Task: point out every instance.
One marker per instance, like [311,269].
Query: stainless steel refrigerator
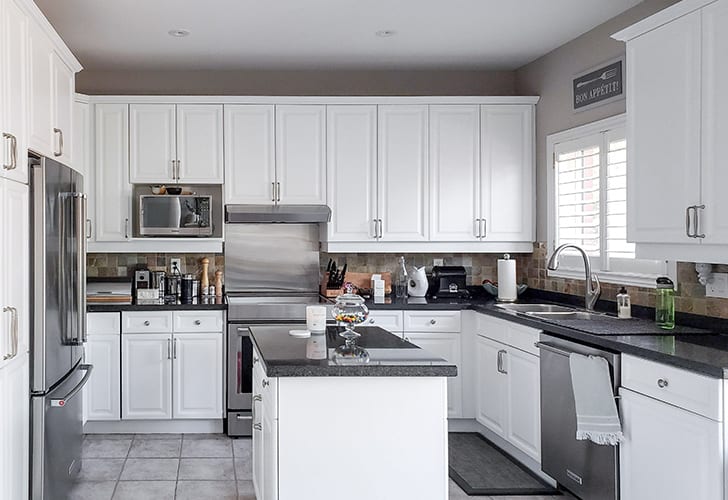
[58,330]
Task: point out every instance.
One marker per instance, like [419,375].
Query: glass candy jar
[349,311]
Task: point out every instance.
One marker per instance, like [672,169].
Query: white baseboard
[153,427]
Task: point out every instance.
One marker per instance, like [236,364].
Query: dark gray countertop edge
[161,307]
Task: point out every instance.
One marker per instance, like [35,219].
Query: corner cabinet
[675,199]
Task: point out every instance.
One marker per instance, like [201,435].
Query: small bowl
[174,190]
[158,189]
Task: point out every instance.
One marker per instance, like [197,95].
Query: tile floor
[179,466]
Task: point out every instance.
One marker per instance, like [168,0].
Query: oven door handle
[61,402]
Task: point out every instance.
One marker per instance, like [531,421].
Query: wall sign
[599,86]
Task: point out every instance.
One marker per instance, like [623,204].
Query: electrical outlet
[438,262]
[173,263]
[717,286]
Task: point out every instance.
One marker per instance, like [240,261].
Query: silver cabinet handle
[198,322]
[173,163]
[484,231]
[432,321]
[13,152]
[255,359]
[265,383]
[169,348]
[242,417]
[273,190]
[14,331]
[60,142]
[501,355]
[258,427]
[179,169]
[477,228]
[687,222]
[257,397]
[126,228]
[278,190]
[379,223]
[174,349]
[662,383]
[376,229]
[146,323]
[89,229]
[697,234]
[499,362]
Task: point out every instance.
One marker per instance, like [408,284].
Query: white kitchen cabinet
[64,88]
[524,401]
[491,386]
[176,143]
[265,433]
[146,376]
[15,428]
[40,51]
[197,375]
[14,102]
[250,168]
[269,423]
[446,346]
[668,452]
[390,320]
[402,179]
[351,141]
[113,191]
[454,172]
[102,393]
[300,154]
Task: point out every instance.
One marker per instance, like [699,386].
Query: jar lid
[664,282]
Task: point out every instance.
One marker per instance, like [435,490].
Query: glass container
[665,303]
[349,311]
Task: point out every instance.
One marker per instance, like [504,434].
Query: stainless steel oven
[175,215]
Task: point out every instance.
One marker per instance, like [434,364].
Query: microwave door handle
[175,215]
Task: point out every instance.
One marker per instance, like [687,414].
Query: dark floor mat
[480,468]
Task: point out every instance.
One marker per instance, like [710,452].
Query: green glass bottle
[665,303]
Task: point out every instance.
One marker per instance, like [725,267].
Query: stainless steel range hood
[272,214]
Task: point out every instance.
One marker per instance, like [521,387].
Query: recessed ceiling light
[385,33]
[178,33]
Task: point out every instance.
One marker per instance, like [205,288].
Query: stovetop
[272,305]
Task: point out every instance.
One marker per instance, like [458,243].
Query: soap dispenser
[624,305]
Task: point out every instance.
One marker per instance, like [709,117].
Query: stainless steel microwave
[175,215]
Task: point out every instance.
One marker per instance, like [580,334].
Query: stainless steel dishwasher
[588,470]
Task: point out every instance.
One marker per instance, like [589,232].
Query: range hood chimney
[277,214]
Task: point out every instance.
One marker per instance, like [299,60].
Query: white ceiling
[321,34]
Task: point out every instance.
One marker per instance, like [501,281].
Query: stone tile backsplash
[123,265]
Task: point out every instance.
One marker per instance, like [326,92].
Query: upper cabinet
[675,201]
[14,103]
[171,143]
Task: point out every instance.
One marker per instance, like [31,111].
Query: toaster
[448,281]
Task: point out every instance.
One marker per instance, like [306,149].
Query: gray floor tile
[242,447]
[158,436]
[244,468]
[106,448]
[92,490]
[246,490]
[109,436]
[207,448]
[221,437]
[217,469]
[150,468]
[155,448]
[145,490]
[206,490]
[100,469]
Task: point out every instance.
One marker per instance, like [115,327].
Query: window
[588,203]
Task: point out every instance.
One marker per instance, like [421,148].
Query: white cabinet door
[198,370]
[663,141]
[507,172]
[668,453]
[14,91]
[446,346]
[15,269]
[351,157]
[269,423]
[454,172]
[199,143]
[41,91]
[102,392]
[62,118]
[390,320]
[491,396]
[146,376]
[113,191]
[15,428]
[524,401]
[258,449]
[250,169]
[301,154]
[402,180]
[152,145]
[713,222]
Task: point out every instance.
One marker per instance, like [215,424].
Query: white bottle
[624,305]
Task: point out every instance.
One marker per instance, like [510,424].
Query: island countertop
[389,355]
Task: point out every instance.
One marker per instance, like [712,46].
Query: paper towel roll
[507,290]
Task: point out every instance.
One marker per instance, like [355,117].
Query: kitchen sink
[533,309]
[566,315]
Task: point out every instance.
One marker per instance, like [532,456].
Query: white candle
[316,318]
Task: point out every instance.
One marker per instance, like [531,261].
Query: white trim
[660,19]
[153,426]
[607,277]
[157,245]
[426,247]
[58,44]
[212,99]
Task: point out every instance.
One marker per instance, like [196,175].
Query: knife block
[359,280]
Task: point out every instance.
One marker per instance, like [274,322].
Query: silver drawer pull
[258,427]
[198,322]
[371,321]
[265,383]
[432,321]
[662,383]
[255,359]
[146,323]
[243,417]
[257,397]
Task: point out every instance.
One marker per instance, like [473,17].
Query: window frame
[577,272]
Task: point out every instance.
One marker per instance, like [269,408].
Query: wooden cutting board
[359,280]
[103,299]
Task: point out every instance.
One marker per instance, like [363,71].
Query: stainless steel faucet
[593,287]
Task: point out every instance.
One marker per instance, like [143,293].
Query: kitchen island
[327,429]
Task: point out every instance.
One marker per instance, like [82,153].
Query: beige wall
[551,78]
[296,82]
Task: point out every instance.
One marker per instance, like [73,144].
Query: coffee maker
[448,281]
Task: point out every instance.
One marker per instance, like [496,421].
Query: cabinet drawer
[146,321]
[389,320]
[432,321]
[198,321]
[103,323]
[509,333]
[688,390]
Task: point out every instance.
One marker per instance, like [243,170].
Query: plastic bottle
[624,304]
[665,303]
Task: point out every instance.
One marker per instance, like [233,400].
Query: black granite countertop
[214,303]
[389,355]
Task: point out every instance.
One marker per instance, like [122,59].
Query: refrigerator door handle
[61,402]
[80,202]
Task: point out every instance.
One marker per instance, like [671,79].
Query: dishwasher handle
[550,347]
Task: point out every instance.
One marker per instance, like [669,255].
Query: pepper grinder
[218,283]
[204,279]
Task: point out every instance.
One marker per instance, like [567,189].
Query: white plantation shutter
[590,176]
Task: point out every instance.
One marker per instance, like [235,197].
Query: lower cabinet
[508,399]
[265,434]
[14,428]
[102,393]
[168,376]
[447,346]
